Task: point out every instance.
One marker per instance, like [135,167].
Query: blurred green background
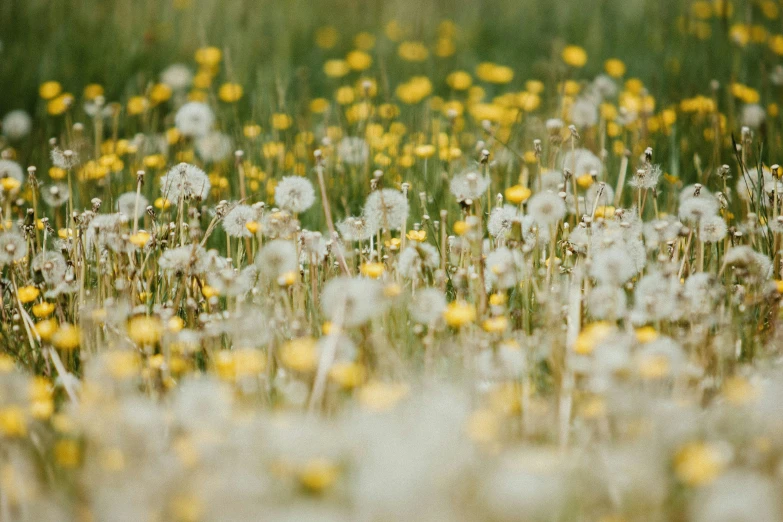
[124,44]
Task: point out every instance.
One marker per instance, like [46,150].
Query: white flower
[602,191]
[655,298]
[177,76]
[748,184]
[646,177]
[712,229]
[214,146]
[415,259]
[427,305]
[17,124]
[738,496]
[501,219]
[606,302]
[51,265]
[502,268]
[583,113]
[194,119]
[469,186]
[64,159]
[693,210]
[605,86]
[753,115]
[11,169]
[182,260]
[387,209]
[184,181]
[612,266]
[351,301]
[55,194]
[554,125]
[547,208]
[102,230]
[126,204]
[353,151]
[13,247]
[276,258]
[581,161]
[354,229]
[295,194]
[235,222]
[280,224]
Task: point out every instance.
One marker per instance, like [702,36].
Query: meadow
[350,260]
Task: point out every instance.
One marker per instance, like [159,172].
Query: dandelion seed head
[386,209]
[546,208]
[16,125]
[235,221]
[194,119]
[128,206]
[295,194]
[185,181]
[427,305]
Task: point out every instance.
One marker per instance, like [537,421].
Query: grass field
[376,261]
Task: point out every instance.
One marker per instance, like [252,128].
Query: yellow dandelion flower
[373,270]
[574,56]
[230,92]
[300,354]
[459,313]
[49,90]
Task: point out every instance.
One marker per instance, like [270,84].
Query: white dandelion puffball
[581,161]
[353,151]
[126,204]
[386,208]
[177,76]
[194,119]
[214,146]
[295,194]
[469,186]
[184,181]
[235,222]
[546,208]
[16,125]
